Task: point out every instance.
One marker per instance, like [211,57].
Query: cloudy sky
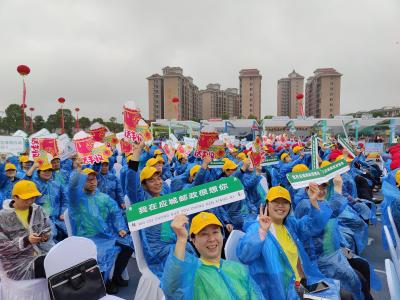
[97,54]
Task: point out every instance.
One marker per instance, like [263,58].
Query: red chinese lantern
[23,106]
[77,109]
[175,100]
[23,70]
[31,108]
[61,100]
[299,96]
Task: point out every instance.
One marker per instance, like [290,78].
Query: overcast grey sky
[97,54]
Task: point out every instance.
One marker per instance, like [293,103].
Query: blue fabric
[109,184]
[6,185]
[268,264]
[54,202]
[97,217]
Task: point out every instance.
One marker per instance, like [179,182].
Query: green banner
[164,208]
[347,146]
[216,164]
[319,176]
[314,153]
[269,161]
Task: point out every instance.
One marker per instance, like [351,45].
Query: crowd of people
[293,238]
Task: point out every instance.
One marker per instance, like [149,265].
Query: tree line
[12,121]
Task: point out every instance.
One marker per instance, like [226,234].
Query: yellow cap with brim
[157,152]
[10,166]
[105,160]
[129,158]
[45,166]
[55,157]
[147,173]
[283,156]
[300,168]
[296,149]
[194,170]
[152,162]
[23,159]
[201,221]
[89,171]
[325,163]
[398,177]
[160,159]
[278,192]
[25,189]
[229,165]
[242,156]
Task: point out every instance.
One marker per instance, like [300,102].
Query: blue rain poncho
[269,265]
[324,247]
[255,194]
[6,185]
[61,176]
[110,185]
[53,201]
[97,217]
[191,279]
[285,168]
[158,239]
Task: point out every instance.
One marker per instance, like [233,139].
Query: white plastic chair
[117,168]
[231,245]
[35,289]
[392,280]
[395,232]
[393,253]
[68,253]
[149,284]
[67,222]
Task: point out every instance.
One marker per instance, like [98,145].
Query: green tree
[84,123]
[38,123]
[225,116]
[13,119]
[54,121]
[268,117]
[98,120]
[252,117]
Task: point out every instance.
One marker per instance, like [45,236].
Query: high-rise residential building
[163,88]
[217,103]
[250,93]
[323,93]
[288,88]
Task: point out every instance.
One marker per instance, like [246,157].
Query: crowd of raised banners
[301,207]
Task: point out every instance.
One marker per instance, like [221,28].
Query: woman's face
[154,184]
[159,167]
[323,190]
[278,210]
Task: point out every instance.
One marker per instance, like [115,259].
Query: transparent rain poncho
[97,217]
[190,279]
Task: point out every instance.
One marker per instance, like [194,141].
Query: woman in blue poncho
[273,250]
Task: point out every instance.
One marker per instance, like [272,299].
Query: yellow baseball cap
[10,166]
[278,192]
[229,165]
[179,155]
[147,173]
[398,177]
[23,159]
[194,170]
[45,166]
[160,159]
[283,156]
[129,158]
[88,171]
[152,162]
[242,156]
[25,189]
[300,168]
[105,160]
[202,220]
[55,157]
[325,163]
[339,158]
[157,152]
[297,149]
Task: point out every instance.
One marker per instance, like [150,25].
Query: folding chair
[395,232]
[392,280]
[68,253]
[231,245]
[149,284]
[393,253]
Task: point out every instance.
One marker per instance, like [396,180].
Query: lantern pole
[31,125]
[77,119]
